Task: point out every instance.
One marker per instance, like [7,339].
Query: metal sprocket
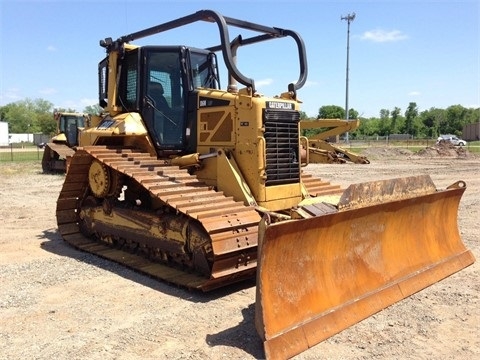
[103,181]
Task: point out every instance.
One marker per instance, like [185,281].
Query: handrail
[268,33]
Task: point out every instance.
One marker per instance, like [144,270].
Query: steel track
[231,226]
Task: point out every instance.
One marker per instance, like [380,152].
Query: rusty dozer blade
[318,276]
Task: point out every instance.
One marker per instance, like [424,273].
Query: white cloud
[472,106]
[10,95]
[77,105]
[264,82]
[414,93]
[380,35]
[47,91]
[309,83]
[88,102]
[51,48]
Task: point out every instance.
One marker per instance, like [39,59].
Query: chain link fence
[20,152]
[30,152]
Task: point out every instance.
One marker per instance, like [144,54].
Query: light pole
[349,18]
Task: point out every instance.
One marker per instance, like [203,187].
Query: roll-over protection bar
[267,33]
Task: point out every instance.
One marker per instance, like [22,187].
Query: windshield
[204,70]
[164,93]
[69,121]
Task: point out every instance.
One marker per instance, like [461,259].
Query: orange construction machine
[204,186]
[59,149]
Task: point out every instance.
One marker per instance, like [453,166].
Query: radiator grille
[281,137]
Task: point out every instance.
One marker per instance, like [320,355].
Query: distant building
[4,136]
[21,138]
[471,132]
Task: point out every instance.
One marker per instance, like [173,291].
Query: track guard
[317,277]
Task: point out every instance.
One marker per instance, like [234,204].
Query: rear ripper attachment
[318,276]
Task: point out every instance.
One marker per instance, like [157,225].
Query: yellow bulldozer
[203,187]
[58,151]
[323,152]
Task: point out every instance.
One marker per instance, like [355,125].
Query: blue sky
[400,51]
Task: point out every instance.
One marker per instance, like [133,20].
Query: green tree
[384,122]
[431,120]
[27,116]
[303,115]
[331,112]
[410,114]
[352,114]
[369,127]
[47,123]
[97,110]
[44,121]
[472,116]
[396,119]
[456,119]
[19,117]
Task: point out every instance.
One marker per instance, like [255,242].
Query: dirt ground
[59,303]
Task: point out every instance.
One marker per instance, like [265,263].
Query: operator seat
[156,93]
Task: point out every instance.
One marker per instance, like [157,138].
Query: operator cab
[69,124]
[160,83]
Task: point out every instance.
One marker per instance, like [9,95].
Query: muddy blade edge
[321,276]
